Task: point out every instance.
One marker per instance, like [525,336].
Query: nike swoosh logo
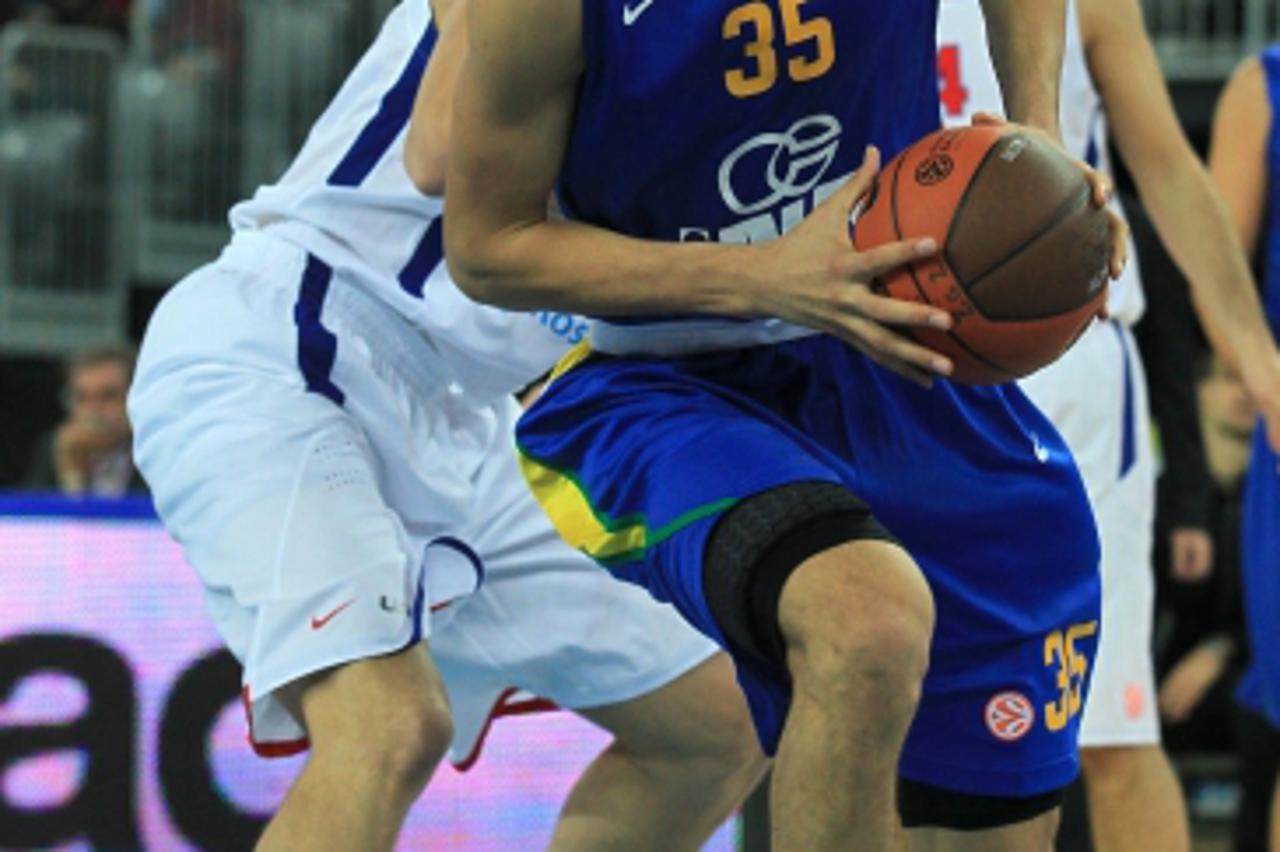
[631,14]
[317,623]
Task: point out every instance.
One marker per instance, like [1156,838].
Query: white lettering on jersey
[794,164]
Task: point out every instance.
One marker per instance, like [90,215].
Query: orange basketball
[1023,264]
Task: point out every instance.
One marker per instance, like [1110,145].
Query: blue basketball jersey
[1271,233]
[1260,525]
[729,120]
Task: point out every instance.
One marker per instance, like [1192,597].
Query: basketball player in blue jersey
[326,424]
[729,438]
[1244,159]
[1096,393]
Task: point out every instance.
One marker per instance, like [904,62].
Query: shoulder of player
[1246,90]
[541,35]
[1249,75]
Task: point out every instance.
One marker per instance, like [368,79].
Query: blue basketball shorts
[635,459]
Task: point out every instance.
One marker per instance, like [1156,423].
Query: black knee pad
[926,806]
[760,541]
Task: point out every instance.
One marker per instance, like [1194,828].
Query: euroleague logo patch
[934,169]
[1010,716]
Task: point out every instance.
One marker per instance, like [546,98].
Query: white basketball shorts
[1096,395]
[339,499]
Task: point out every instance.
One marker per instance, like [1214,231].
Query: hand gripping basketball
[810,277]
[1025,248]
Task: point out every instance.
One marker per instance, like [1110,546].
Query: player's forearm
[1195,226]
[1026,42]
[573,267]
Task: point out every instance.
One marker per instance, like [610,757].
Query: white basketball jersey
[967,84]
[348,200]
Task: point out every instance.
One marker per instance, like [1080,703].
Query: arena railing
[1205,39]
[218,95]
[62,275]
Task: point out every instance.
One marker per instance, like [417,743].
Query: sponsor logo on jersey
[1010,716]
[631,14]
[570,328]
[774,180]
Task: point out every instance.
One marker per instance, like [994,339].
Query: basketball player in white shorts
[326,425]
[1096,393]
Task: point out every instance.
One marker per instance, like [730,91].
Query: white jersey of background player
[1096,393]
[326,424]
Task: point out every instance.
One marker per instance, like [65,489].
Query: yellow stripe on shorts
[608,540]
[571,359]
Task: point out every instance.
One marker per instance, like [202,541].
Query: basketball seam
[911,269]
[964,198]
[1064,210]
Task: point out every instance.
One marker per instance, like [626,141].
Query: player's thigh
[636,462]
[641,463]
[272,491]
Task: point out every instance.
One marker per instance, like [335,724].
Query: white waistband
[688,337]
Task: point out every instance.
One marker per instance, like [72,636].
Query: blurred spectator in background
[90,452]
[1202,646]
[111,15]
[29,83]
[198,40]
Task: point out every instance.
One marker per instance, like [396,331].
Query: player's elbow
[1165,167]
[472,267]
[475,284]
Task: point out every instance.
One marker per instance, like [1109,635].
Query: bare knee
[858,620]
[728,749]
[411,740]
[387,718]
[1119,767]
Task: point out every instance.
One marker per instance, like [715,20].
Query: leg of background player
[1135,801]
[857,620]
[378,727]
[682,761]
[1275,816]
[1034,835]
